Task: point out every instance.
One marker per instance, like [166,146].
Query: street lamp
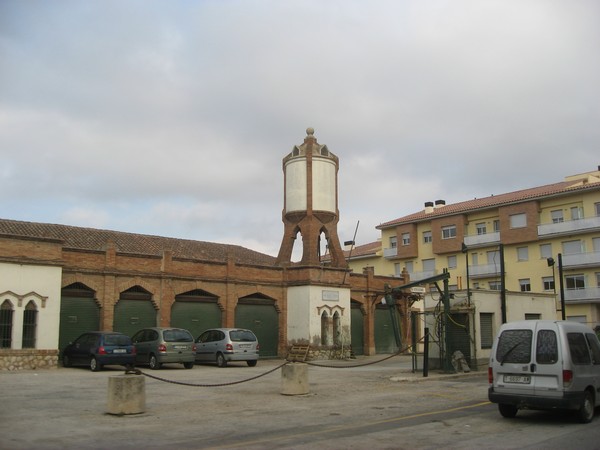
[551,262]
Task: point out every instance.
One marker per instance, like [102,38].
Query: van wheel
[251,362]
[153,363]
[508,411]
[585,413]
[221,361]
[188,365]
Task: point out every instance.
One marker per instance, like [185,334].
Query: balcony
[568,227]
[581,260]
[390,252]
[587,295]
[484,270]
[416,276]
[478,240]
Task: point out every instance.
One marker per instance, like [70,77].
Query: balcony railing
[484,270]
[416,276]
[569,226]
[390,252]
[482,239]
[576,260]
[591,294]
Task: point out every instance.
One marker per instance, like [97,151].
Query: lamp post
[561,287]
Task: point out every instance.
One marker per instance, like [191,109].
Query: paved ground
[66,408]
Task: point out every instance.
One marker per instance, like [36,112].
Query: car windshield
[177,336]
[116,339]
[242,336]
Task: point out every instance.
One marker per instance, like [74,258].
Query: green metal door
[260,316]
[195,316]
[385,340]
[77,315]
[357,333]
[133,315]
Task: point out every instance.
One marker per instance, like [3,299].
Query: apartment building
[534,234]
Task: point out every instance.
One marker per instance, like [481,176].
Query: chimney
[439,203]
[428,207]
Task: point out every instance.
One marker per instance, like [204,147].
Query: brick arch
[76,278]
[128,284]
[259,294]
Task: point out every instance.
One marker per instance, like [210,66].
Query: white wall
[20,284]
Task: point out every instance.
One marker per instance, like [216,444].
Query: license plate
[245,345]
[119,350]
[180,347]
[519,379]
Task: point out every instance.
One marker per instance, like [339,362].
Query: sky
[172,118]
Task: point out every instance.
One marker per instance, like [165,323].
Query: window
[523,253]
[405,238]
[449,232]
[397,269]
[427,238]
[576,213]
[514,346]
[486,327]
[548,283]
[495,285]
[480,228]
[429,265]
[594,347]
[518,220]
[545,251]
[578,348]
[575,281]
[525,284]
[597,279]
[6,324]
[452,262]
[546,347]
[532,316]
[557,216]
[596,244]
[393,242]
[597,208]
[496,226]
[29,325]
[493,257]
[572,247]
[409,266]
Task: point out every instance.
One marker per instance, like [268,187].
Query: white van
[545,364]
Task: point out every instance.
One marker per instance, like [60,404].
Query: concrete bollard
[294,379]
[126,394]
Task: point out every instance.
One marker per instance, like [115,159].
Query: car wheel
[66,361]
[95,366]
[252,362]
[153,362]
[221,361]
[188,365]
[586,410]
[508,411]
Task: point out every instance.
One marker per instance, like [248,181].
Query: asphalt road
[376,406]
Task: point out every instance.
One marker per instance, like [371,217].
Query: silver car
[157,346]
[222,345]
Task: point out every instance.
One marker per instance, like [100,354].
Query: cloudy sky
[172,117]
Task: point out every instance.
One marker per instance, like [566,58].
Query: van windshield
[514,346]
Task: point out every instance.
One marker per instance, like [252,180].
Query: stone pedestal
[126,394]
[294,379]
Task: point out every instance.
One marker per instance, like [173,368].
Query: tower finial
[310,131]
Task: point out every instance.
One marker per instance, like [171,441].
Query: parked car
[99,348]
[159,345]
[222,345]
[544,364]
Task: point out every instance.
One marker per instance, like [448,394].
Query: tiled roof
[94,239]
[360,251]
[494,201]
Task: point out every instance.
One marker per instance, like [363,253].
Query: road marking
[349,427]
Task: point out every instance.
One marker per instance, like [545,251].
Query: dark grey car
[221,345]
[157,346]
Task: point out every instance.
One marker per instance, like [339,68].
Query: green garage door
[385,340]
[195,316]
[133,315]
[260,316]
[77,315]
[357,329]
